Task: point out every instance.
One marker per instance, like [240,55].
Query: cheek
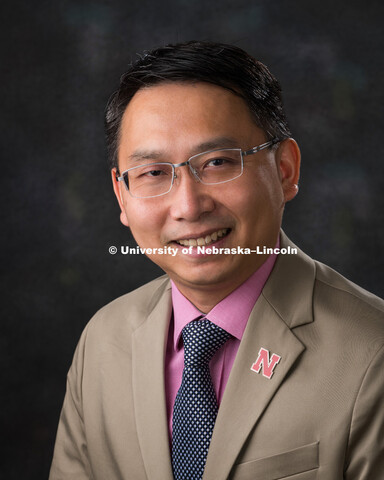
[269,188]
[262,207]
[145,222]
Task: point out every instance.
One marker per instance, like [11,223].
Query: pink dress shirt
[231,314]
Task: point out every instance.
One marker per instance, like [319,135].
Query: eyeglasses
[210,168]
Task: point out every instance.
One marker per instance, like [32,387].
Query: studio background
[60,63]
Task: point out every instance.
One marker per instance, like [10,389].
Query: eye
[154,173]
[151,171]
[216,162]
[219,162]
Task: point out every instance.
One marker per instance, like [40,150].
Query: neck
[206,295]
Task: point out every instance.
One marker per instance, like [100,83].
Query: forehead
[180,115]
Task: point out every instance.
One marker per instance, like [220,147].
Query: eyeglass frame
[243,154]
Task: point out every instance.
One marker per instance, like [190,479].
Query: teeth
[201,241]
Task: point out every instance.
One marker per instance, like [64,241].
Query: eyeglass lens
[212,167]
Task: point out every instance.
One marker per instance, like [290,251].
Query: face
[170,123]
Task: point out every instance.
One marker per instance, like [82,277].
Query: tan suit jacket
[320,416]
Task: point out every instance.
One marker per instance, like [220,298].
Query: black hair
[224,65]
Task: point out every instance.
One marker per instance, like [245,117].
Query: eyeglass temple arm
[261,147]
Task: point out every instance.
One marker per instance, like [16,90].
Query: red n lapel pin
[265,364]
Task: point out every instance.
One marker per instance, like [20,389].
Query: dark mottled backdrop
[60,62]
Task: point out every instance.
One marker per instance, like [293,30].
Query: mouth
[204,240]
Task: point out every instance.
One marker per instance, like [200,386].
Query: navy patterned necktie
[195,408]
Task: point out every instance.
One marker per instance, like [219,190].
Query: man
[237,364]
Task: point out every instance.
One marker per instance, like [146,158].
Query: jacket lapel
[148,387]
[286,302]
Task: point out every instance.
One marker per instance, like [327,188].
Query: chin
[206,277]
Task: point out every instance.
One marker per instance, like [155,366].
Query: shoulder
[335,284]
[119,318]
[137,302]
[353,316]
[314,297]
[301,277]
[350,318]
[336,296]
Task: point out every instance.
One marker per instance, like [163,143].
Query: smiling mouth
[204,241]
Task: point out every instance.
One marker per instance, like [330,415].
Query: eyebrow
[212,144]
[218,142]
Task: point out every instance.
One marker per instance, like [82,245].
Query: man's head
[223,65]
[170,121]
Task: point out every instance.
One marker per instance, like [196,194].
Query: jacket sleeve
[70,458]
[365,455]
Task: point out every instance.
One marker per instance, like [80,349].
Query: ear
[288,155]
[120,193]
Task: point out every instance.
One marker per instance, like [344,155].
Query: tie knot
[202,339]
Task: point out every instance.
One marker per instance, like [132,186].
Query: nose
[190,199]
